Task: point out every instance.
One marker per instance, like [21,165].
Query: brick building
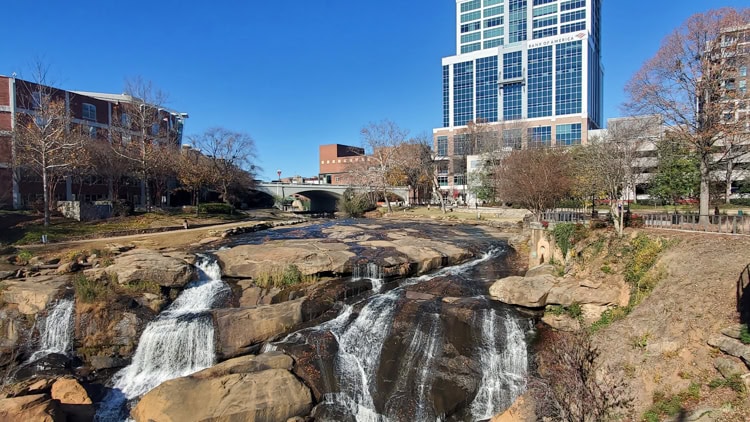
[102,116]
[336,160]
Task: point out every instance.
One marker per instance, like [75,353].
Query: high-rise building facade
[529,71]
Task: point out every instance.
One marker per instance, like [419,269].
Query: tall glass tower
[528,70]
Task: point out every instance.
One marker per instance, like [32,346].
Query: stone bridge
[322,197]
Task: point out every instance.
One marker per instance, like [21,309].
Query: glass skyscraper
[529,69]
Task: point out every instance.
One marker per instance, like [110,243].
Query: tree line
[140,144]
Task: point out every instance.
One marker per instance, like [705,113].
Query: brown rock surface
[270,395]
[237,329]
[530,292]
[69,391]
[310,256]
[145,265]
[32,295]
[522,410]
[37,408]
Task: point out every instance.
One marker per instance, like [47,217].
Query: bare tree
[231,155]
[536,179]
[418,165]
[606,165]
[139,130]
[46,141]
[381,140]
[194,171]
[687,82]
[111,166]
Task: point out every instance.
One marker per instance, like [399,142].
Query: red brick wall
[4,91]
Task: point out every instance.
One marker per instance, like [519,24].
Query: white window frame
[88,112]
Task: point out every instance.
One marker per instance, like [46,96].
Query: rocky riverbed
[120,290]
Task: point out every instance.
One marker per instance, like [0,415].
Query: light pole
[278,172]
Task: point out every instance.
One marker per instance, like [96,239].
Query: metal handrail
[726,224]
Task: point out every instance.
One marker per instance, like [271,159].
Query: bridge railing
[728,224]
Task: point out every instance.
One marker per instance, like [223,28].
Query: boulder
[729,367]
[37,408]
[247,364]
[522,410]
[238,329]
[145,265]
[32,295]
[543,269]
[311,257]
[530,292]
[731,346]
[270,395]
[561,322]
[67,268]
[106,362]
[567,292]
[734,331]
[69,391]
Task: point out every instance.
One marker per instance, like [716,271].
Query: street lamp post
[281,202]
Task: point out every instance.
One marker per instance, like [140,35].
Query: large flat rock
[270,395]
[530,292]
[311,257]
[37,408]
[146,265]
[32,295]
[238,329]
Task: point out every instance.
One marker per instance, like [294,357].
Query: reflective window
[568,134]
[459,179]
[743,71]
[493,11]
[442,146]
[573,16]
[486,86]
[493,43]
[546,32]
[468,48]
[463,93]
[540,2]
[545,10]
[541,23]
[474,36]
[492,2]
[468,27]
[539,137]
[489,23]
[540,82]
[517,21]
[512,101]
[569,78]
[446,96]
[92,132]
[468,17]
[471,5]
[492,33]
[460,145]
[512,138]
[512,65]
[89,111]
[572,27]
[572,4]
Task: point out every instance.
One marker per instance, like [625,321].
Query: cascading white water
[360,346]
[370,271]
[179,342]
[504,372]
[56,333]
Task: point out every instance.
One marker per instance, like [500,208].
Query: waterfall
[504,376]
[360,345]
[179,342]
[370,271]
[56,333]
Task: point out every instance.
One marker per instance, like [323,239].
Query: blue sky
[294,74]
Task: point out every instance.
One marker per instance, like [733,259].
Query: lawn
[23,227]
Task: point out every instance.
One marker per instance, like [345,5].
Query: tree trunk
[705,197]
[728,193]
[616,220]
[387,202]
[45,192]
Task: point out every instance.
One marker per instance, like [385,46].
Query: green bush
[743,202]
[215,208]
[671,405]
[566,235]
[24,257]
[744,334]
[354,204]
[89,291]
